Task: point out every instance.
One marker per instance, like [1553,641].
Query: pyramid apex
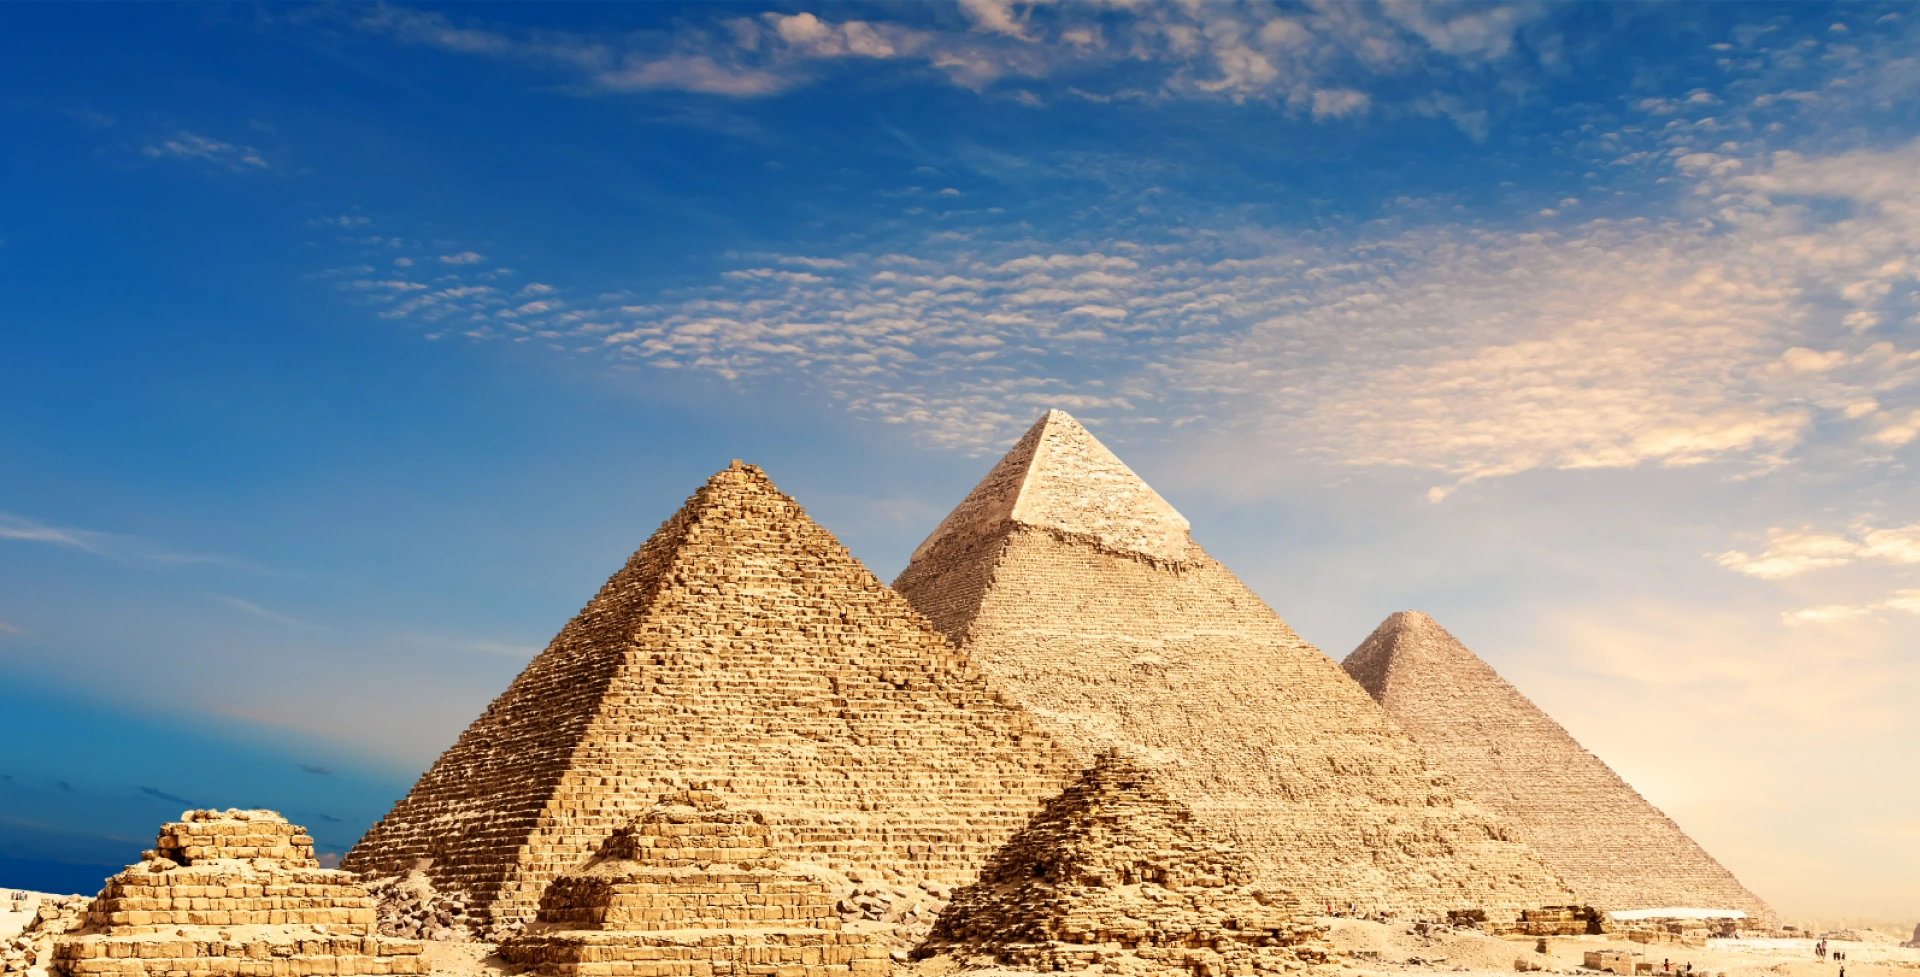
[1402,634]
[1059,476]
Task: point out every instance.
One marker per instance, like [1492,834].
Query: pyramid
[1114,871]
[236,894]
[1617,851]
[692,887]
[1077,590]
[741,646]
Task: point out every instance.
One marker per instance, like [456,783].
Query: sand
[1409,948]
[15,914]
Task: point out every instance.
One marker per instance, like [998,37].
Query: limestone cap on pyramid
[1059,476]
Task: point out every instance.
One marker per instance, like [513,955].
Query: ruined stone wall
[1273,746]
[745,648]
[1615,849]
[693,887]
[234,894]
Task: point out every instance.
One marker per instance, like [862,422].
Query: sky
[347,349]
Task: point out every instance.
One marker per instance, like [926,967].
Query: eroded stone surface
[233,893]
[1115,872]
[1617,851]
[693,888]
[741,646]
[1161,650]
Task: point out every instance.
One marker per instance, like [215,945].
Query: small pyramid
[233,893]
[1617,851]
[1078,591]
[1115,871]
[744,647]
[692,887]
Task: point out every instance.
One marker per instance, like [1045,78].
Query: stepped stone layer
[692,889]
[741,646]
[1616,850]
[1077,590]
[236,894]
[1115,872]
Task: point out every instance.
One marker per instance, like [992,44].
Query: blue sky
[347,349]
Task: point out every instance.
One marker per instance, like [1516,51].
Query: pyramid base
[699,953]
[267,955]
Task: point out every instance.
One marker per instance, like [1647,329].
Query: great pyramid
[692,887]
[1077,590]
[741,646]
[1617,851]
[1114,871]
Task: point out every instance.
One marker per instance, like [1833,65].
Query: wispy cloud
[1791,552]
[316,771]
[262,613]
[1906,600]
[1751,317]
[159,794]
[1304,57]
[188,146]
[131,549]
[26,530]
[6,628]
[1473,353]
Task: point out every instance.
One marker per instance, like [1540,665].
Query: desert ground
[1376,948]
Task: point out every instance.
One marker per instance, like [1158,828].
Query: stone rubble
[408,907]
[693,889]
[233,894]
[911,909]
[30,951]
[1114,872]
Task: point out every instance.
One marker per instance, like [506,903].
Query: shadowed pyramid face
[742,647]
[1077,589]
[1616,850]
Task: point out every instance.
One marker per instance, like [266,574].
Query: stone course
[693,889]
[1617,851]
[1117,873]
[744,647]
[1078,591]
[235,894]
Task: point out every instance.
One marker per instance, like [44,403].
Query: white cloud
[1728,334]
[462,258]
[1790,553]
[186,145]
[21,529]
[131,549]
[1308,60]
[1907,601]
